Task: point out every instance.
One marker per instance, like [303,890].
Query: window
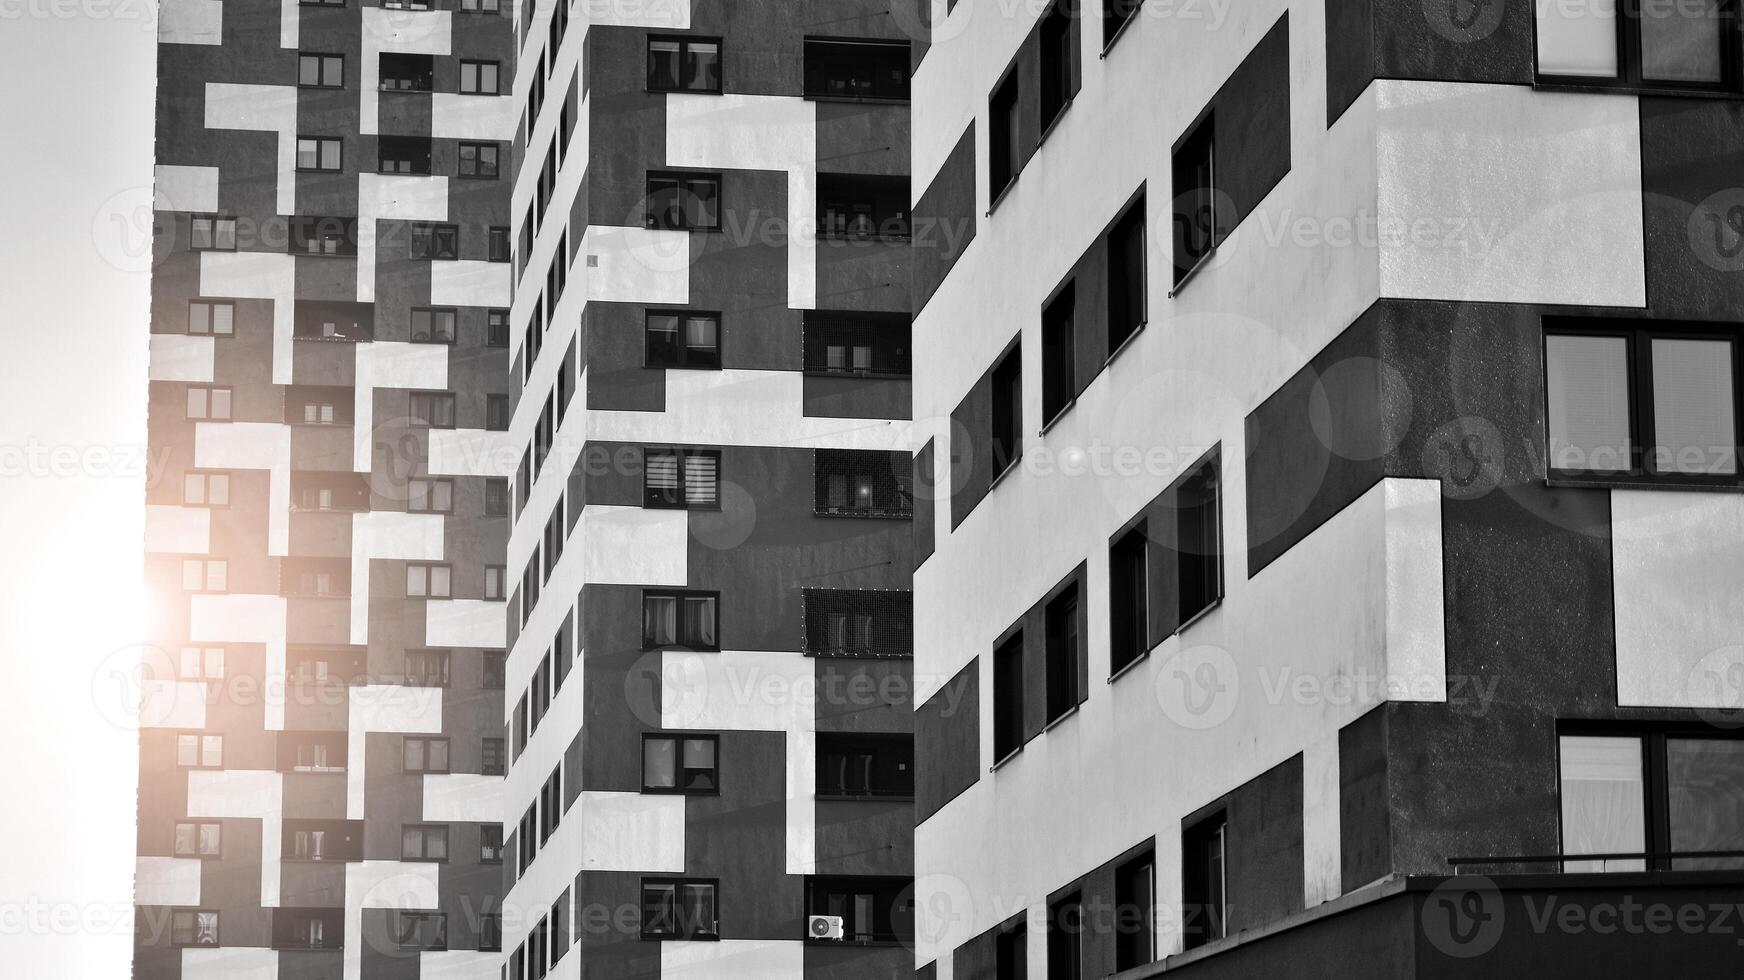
[1011,953]
[193,927]
[872,909]
[1006,435]
[551,804]
[320,70]
[323,667]
[205,574]
[435,241]
[861,483]
[478,78]
[1126,276]
[491,764]
[854,766]
[199,751]
[1686,45]
[683,339]
[680,619]
[199,839]
[328,492]
[312,752]
[432,326]
[350,322]
[496,496]
[211,233]
[319,153]
[1059,360]
[322,236]
[1003,152]
[1626,795]
[679,909]
[480,160]
[318,405]
[430,496]
[496,326]
[680,764]
[1641,402]
[490,839]
[209,403]
[1008,697]
[492,664]
[683,478]
[1135,908]
[1115,14]
[201,664]
[840,69]
[859,623]
[496,419]
[432,408]
[211,317]
[495,577]
[1203,896]
[308,928]
[403,155]
[427,668]
[424,842]
[425,754]
[490,924]
[1198,540]
[684,64]
[1195,210]
[859,344]
[684,201]
[1058,49]
[315,577]
[481,6]
[428,581]
[1066,937]
[421,930]
[407,72]
[862,206]
[1065,652]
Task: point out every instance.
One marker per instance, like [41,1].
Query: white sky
[76,88]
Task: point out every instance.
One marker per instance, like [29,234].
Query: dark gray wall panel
[944,220]
[947,741]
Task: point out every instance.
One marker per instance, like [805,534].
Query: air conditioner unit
[824,927]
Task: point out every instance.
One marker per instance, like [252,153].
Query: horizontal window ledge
[859,654]
[884,515]
[865,798]
[1062,717]
[1712,485]
[1001,762]
[858,375]
[1602,87]
[855,943]
[851,237]
[856,99]
[1193,271]
[1128,666]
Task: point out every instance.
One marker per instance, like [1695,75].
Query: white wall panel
[266,108]
[178,188]
[630,832]
[174,530]
[245,793]
[177,357]
[384,708]
[190,22]
[166,881]
[258,275]
[1677,579]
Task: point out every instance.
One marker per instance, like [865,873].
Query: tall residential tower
[321,749]
[1338,401]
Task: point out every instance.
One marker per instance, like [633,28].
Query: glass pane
[1692,407]
[658,770]
[414,754]
[185,839]
[1586,381]
[187,750]
[307,154]
[216,574]
[1577,37]
[218,489]
[699,753]
[662,65]
[221,318]
[193,573]
[220,403]
[197,403]
[1680,42]
[1705,783]
[193,488]
[309,70]
[411,842]
[209,838]
[1604,809]
[436,843]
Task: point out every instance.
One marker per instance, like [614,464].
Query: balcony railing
[1617,861]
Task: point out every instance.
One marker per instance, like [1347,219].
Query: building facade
[321,748]
[1334,415]
[710,624]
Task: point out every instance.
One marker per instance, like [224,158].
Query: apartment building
[710,632]
[321,749]
[1335,560]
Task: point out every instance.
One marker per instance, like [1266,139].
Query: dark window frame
[1004,137]
[479,171]
[1655,779]
[655,499]
[433,313]
[684,355]
[683,181]
[478,65]
[684,41]
[862,53]
[893,749]
[212,307]
[414,939]
[1063,650]
[1005,420]
[321,144]
[198,852]
[193,918]
[679,931]
[1135,943]
[1059,336]
[426,832]
[324,59]
[1629,77]
[680,595]
[1009,696]
[1639,336]
[680,773]
[1205,904]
